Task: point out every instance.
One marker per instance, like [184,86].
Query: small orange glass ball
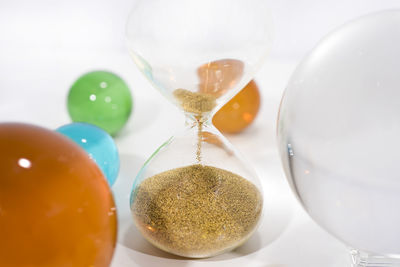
[56,208]
[218,77]
[240,111]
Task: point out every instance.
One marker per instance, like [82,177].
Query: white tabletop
[34,90]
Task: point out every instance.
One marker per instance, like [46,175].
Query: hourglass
[196,196]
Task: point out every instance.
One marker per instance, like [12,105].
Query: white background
[45,45]
[59,26]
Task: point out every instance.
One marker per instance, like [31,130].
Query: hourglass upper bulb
[202,47]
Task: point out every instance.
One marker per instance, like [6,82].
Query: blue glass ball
[98,144]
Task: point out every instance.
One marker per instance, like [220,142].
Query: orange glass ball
[240,111]
[56,208]
[218,77]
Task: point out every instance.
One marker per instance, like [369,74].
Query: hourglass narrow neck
[199,121]
[195,120]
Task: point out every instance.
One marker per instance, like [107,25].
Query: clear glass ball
[338,131]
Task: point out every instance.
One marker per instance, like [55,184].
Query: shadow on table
[312,246]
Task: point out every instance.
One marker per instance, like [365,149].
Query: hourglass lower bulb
[186,202]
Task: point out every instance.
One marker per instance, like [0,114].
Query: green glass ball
[100,98]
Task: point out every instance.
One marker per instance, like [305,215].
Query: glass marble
[240,111]
[101,98]
[56,208]
[98,144]
[338,133]
[220,76]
